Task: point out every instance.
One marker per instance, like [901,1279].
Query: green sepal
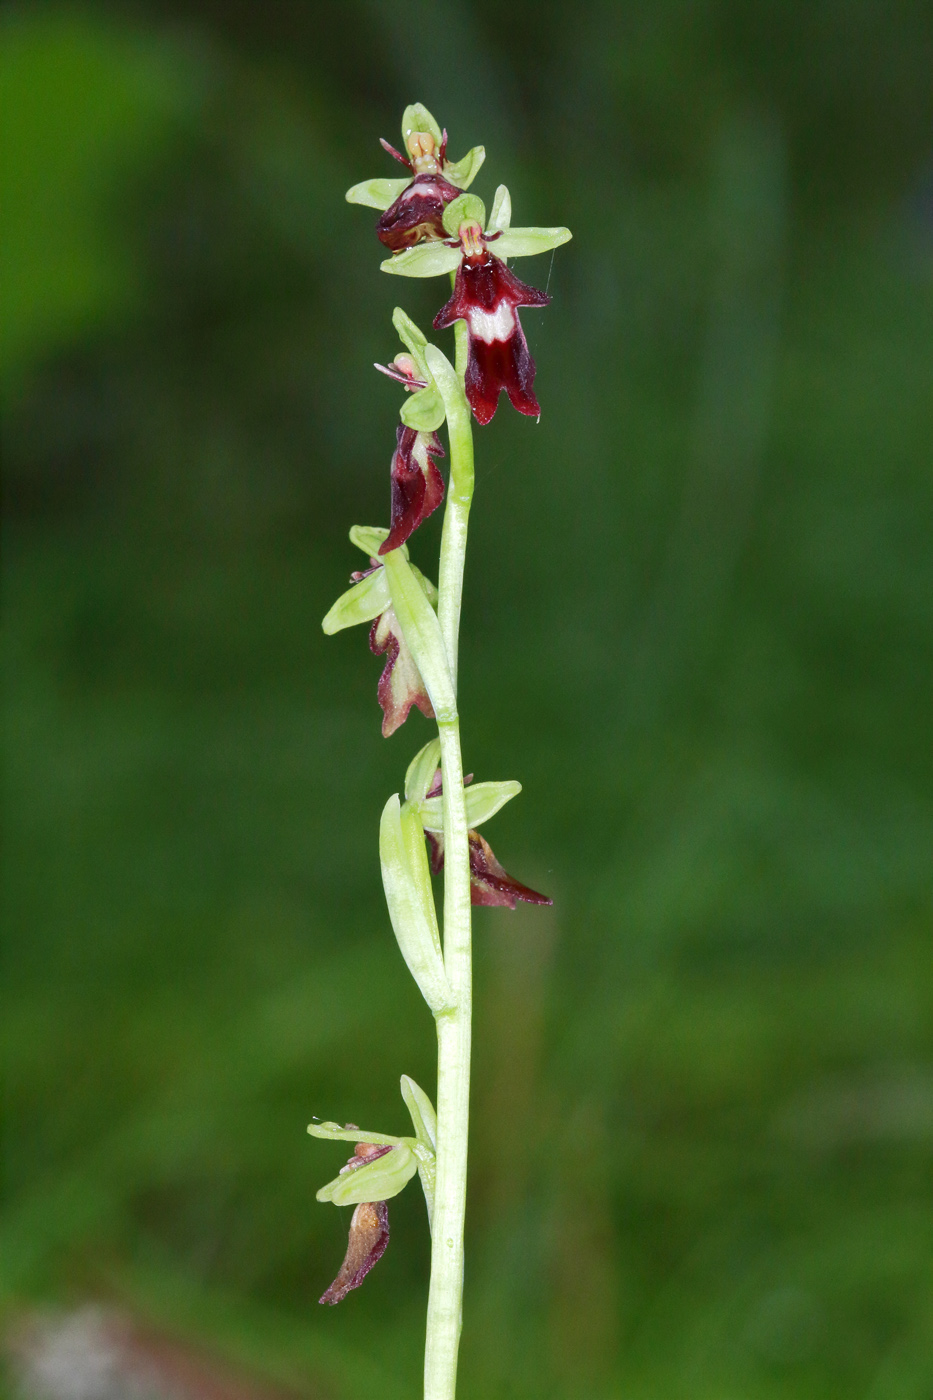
[420,776]
[416,117]
[463,172]
[465,208]
[376,194]
[525,242]
[361,603]
[332,1132]
[368,538]
[423,1117]
[422,633]
[501,216]
[376,1181]
[428,259]
[424,411]
[483,800]
[406,879]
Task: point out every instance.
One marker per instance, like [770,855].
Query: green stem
[453,1027]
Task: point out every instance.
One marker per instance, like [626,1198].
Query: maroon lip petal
[400,685]
[417,485]
[369,1235]
[418,213]
[486,293]
[490,885]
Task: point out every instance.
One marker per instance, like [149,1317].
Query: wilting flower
[490,884]
[414,207]
[369,1232]
[417,485]
[400,685]
[486,296]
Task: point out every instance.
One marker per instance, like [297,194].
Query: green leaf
[412,337]
[376,194]
[376,1181]
[459,420]
[420,776]
[422,632]
[525,242]
[501,215]
[429,259]
[332,1132]
[424,410]
[418,118]
[463,209]
[361,603]
[423,1117]
[463,172]
[483,800]
[406,879]
[428,588]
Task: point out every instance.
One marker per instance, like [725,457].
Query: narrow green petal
[430,259]
[361,603]
[461,210]
[463,172]
[525,242]
[501,215]
[418,118]
[376,194]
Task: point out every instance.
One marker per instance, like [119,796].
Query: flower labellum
[490,885]
[369,1232]
[487,296]
[400,685]
[417,213]
[417,485]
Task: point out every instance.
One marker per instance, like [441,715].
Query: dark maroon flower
[489,883]
[487,296]
[400,685]
[417,485]
[417,213]
[369,1232]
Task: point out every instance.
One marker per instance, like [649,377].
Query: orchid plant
[432,228]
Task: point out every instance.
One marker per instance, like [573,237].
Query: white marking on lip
[488,326]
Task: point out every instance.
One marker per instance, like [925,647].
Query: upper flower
[414,207]
[486,296]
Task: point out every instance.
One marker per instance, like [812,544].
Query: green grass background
[697,628]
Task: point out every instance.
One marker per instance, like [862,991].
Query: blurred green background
[698,628]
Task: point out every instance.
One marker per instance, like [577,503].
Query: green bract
[422,632]
[410,899]
[467,208]
[483,800]
[376,1181]
[423,1117]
